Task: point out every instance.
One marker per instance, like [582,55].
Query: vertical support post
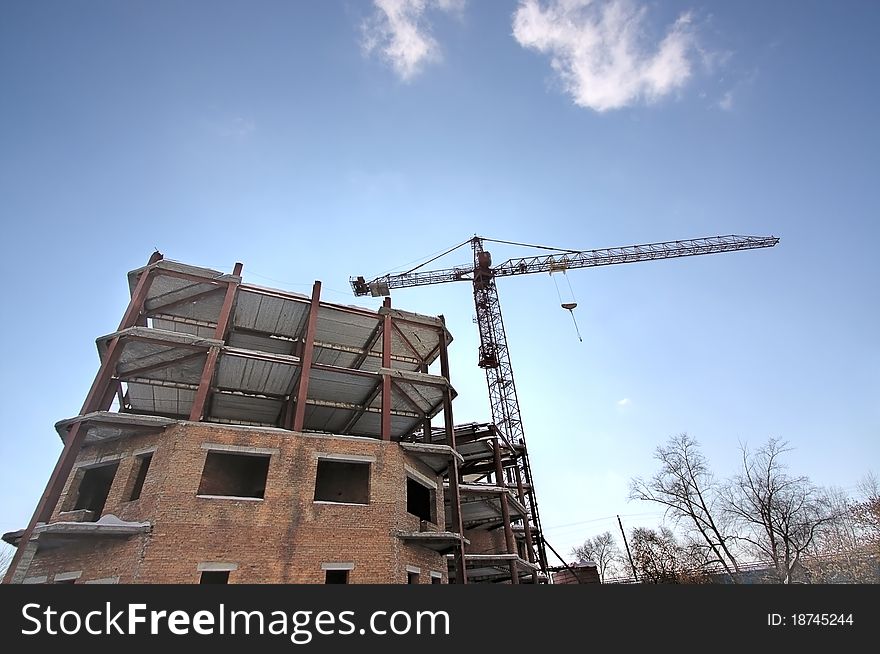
[538,538]
[505,505]
[628,553]
[96,400]
[302,389]
[530,550]
[426,423]
[226,309]
[136,305]
[505,510]
[197,411]
[386,379]
[449,427]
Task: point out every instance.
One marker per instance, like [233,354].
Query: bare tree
[847,548]
[868,511]
[840,552]
[686,487]
[661,559]
[603,551]
[779,515]
[654,555]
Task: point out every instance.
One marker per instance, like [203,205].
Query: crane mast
[494,354]
[494,358]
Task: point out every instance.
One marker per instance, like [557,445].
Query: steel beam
[368,400]
[161,308]
[426,422]
[514,573]
[200,402]
[302,389]
[371,341]
[406,341]
[228,301]
[530,545]
[386,378]
[408,399]
[137,372]
[197,410]
[505,507]
[455,500]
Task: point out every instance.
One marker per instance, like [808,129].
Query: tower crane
[494,354]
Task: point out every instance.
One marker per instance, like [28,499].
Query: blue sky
[319,140]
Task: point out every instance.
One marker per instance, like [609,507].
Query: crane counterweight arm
[381,285]
[567,260]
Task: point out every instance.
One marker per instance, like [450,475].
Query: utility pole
[628,553]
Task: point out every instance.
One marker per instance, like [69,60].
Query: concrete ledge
[107,425]
[108,525]
[439,541]
[241,449]
[237,498]
[436,459]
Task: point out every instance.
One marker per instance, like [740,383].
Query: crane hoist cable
[561,266]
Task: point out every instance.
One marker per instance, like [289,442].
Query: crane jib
[571,259]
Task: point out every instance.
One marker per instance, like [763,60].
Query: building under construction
[240,434]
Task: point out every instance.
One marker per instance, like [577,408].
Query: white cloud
[400,33]
[234,127]
[241,127]
[453,6]
[600,50]
[624,402]
[726,101]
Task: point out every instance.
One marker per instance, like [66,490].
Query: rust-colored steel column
[197,412]
[136,305]
[449,427]
[426,423]
[530,550]
[505,510]
[96,400]
[302,389]
[533,503]
[228,300]
[505,505]
[386,379]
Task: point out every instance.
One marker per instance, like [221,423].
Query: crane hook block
[569,305]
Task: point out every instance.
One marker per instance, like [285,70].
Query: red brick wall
[96,558]
[283,538]
[583,575]
[486,542]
